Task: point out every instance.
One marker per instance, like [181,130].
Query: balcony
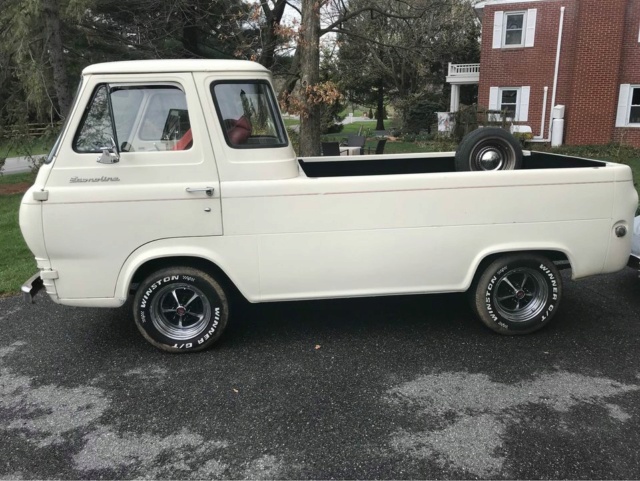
[464,73]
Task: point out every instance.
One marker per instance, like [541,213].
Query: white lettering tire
[517,294]
[181,309]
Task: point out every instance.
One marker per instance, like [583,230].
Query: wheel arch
[558,256]
[150,258]
[200,263]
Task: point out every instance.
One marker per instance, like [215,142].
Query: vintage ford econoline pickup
[175,180]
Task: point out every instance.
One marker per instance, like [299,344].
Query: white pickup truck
[175,181]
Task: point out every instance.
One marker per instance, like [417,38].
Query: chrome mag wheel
[180,311]
[521,294]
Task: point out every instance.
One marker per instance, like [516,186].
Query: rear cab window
[248,114]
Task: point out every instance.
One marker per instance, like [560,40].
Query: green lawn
[14,148]
[16,261]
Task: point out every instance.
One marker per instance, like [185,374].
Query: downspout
[540,138]
[555,75]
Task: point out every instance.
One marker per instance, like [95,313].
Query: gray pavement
[16,165]
[397,387]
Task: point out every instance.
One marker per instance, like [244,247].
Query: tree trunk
[190,33]
[273,19]
[56,55]
[309,45]
[380,108]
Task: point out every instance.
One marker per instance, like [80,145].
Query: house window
[513,35]
[634,110]
[509,102]
[514,29]
[628,106]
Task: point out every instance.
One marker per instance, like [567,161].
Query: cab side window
[248,114]
[138,117]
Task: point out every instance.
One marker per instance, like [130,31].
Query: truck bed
[423,164]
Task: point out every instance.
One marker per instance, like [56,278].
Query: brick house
[583,54]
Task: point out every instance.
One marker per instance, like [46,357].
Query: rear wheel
[181,309]
[517,294]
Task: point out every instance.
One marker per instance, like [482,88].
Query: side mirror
[110,154]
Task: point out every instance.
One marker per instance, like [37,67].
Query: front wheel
[517,294]
[181,309]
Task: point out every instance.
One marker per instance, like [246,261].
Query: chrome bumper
[31,287]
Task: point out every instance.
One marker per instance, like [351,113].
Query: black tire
[488,148]
[517,294]
[181,309]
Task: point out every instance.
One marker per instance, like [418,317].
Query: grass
[16,261]
[17,178]
[24,147]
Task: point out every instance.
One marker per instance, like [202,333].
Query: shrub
[419,113]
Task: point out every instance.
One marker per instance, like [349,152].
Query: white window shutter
[493,98]
[494,93]
[623,105]
[497,29]
[532,15]
[523,112]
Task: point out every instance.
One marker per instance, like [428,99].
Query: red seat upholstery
[240,132]
[184,142]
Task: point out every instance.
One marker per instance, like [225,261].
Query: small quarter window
[248,114]
[96,129]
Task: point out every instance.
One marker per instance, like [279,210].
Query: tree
[309,45]
[31,44]
[339,16]
[43,43]
[403,54]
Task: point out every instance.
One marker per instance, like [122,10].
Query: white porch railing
[463,73]
[464,69]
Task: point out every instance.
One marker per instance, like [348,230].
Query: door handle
[206,190]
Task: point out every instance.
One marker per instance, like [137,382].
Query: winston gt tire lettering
[517,294]
[181,309]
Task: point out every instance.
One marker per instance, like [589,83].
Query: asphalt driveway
[399,387]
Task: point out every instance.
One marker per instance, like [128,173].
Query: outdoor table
[344,150]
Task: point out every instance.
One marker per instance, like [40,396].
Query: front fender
[237,257]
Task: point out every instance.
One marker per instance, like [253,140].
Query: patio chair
[379,147]
[330,148]
[356,141]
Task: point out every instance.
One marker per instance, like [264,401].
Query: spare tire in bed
[489,148]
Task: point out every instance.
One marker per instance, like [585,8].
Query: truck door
[135,165]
